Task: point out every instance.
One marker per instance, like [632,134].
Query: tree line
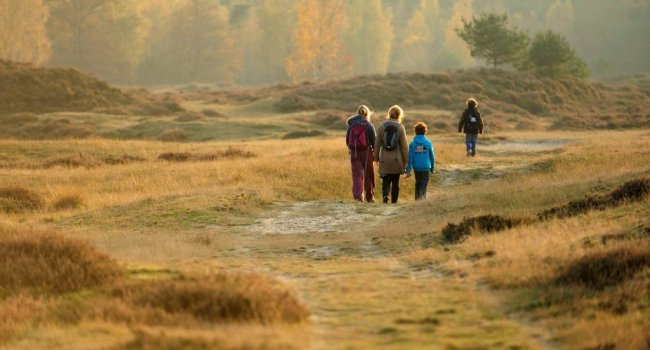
[250,42]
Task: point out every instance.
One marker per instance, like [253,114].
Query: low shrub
[302,134]
[220,298]
[72,161]
[67,201]
[50,263]
[605,268]
[18,200]
[631,191]
[479,224]
[230,153]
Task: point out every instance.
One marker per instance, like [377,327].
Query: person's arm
[371,136]
[411,156]
[480,122]
[461,123]
[432,158]
[403,142]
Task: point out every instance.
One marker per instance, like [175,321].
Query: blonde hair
[364,111]
[395,112]
[471,100]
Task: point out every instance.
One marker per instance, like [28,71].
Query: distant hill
[25,88]
[511,100]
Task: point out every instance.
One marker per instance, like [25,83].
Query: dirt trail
[363,297]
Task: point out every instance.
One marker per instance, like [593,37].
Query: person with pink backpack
[360,139]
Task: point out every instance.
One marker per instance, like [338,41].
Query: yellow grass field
[262,247]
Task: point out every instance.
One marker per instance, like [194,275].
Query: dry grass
[19,200]
[49,263]
[68,201]
[217,298]
[231,152]
[606,268]
[188,218]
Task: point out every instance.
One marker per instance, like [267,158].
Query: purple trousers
[363,175]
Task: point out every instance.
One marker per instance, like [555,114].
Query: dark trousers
[421,182]
[363,175]
[390,183]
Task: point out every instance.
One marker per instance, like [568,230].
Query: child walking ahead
[472,124]
[422,159]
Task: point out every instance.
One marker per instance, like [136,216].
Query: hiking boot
[385,199]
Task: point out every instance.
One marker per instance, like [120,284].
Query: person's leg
[421,182]
[357,177]
[369,178]
[468,143]
[474,139]
[385,187]
[394,192]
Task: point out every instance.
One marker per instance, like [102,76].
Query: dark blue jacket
[421,155]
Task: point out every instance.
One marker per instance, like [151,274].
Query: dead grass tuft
[18,200]
[480,224]
[229,153]
[68,201]
[605,268]
[144,341]
[220,298]
[47,262]
[87,161]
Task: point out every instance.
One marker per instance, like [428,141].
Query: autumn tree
[416,46]
[23,32]
[551,54]
[105,37]
[490,37]
[368,35]
[318,51]
[196,46]
[453,45]
[273,40]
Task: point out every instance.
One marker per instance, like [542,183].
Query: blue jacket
[421,156]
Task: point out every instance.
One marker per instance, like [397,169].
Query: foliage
[489,37]
[198,46]
[368,35]
[319,53]
[23,34]
[106,37]
[551,54]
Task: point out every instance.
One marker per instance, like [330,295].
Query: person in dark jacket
[422,159]
[360,139]
[471,124]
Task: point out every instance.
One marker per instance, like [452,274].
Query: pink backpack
[357,139]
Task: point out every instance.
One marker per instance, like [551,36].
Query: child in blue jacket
[421,159]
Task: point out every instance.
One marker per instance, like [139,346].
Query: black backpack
[390,137]
[472,122]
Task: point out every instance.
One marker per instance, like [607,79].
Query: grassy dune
[225,219]
[189,232]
